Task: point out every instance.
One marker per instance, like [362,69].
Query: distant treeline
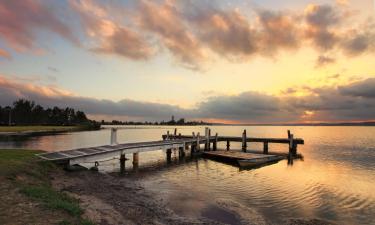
[25,112]
[171,122]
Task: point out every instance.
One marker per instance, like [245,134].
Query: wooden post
[291,144]
[208,141]
[198,147]
[206,136]
[135,159]
[169,155]
[244,144]
[214,145]
[175,131]
[179,135]
[228,145]
[265,147]
[181,152]
[113,136]
[167,134]
[288,134]
[122,163]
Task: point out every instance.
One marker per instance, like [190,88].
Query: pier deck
[242,158]
[180,142]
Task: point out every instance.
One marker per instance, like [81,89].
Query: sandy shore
[115,199]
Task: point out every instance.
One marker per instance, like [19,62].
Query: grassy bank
[26,193]
[20,129]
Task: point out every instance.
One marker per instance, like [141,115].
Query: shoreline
[55,130]
[103,198]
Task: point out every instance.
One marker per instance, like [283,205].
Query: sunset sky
[235,61]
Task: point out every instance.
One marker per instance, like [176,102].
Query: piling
[198,147]
[169,155]
[228,145]
[135,159]
[214,144]
[265,147]
[113,136]
[122,163]
[181,152]
[244,144]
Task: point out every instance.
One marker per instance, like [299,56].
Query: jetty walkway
[181,142]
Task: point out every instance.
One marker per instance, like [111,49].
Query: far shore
[42,129]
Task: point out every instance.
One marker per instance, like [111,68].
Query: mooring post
[122,163]
[175,132]
[205,136]
[169,155]
[198,147]
[214,144]
[228,145]
[113,136]
[135,159]
[181,151]
[208,140]
[244,144]
[265,147]
[167,135]
[291,145]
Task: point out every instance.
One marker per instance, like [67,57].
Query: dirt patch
[112,199]
[16,208]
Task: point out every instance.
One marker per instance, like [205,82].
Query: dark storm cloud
[365,88]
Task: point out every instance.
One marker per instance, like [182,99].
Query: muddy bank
[112,199]
[115,199]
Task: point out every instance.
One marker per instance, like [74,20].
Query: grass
[37,128]
[35,183]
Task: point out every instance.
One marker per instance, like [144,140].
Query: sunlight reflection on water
[335,182]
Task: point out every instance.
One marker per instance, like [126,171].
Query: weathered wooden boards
[169,142]
[244,139]
[243,159]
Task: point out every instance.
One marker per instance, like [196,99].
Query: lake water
[334,182]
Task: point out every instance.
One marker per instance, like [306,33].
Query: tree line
[25,112]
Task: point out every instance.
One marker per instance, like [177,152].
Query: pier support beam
[169,155]
[114,136]
[122,163]
[265,147]
[244,143]
[228,145]
[135,159]
[198,146]
[181,152]
[214,144]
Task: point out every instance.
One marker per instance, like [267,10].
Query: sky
[234,61]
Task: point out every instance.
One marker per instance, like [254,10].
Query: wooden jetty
[169,142]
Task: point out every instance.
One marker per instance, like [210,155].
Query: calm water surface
[334,182]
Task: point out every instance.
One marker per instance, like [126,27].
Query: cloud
[324,60]
[21,20]
[365,89]
[166,22]
[354,101]
[193,32]
[109,35]
[5,54]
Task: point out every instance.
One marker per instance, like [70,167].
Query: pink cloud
[108,34]
[167,23]
[20,20]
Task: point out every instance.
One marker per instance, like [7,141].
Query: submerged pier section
[181,142]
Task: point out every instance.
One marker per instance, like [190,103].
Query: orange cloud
[5,54]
